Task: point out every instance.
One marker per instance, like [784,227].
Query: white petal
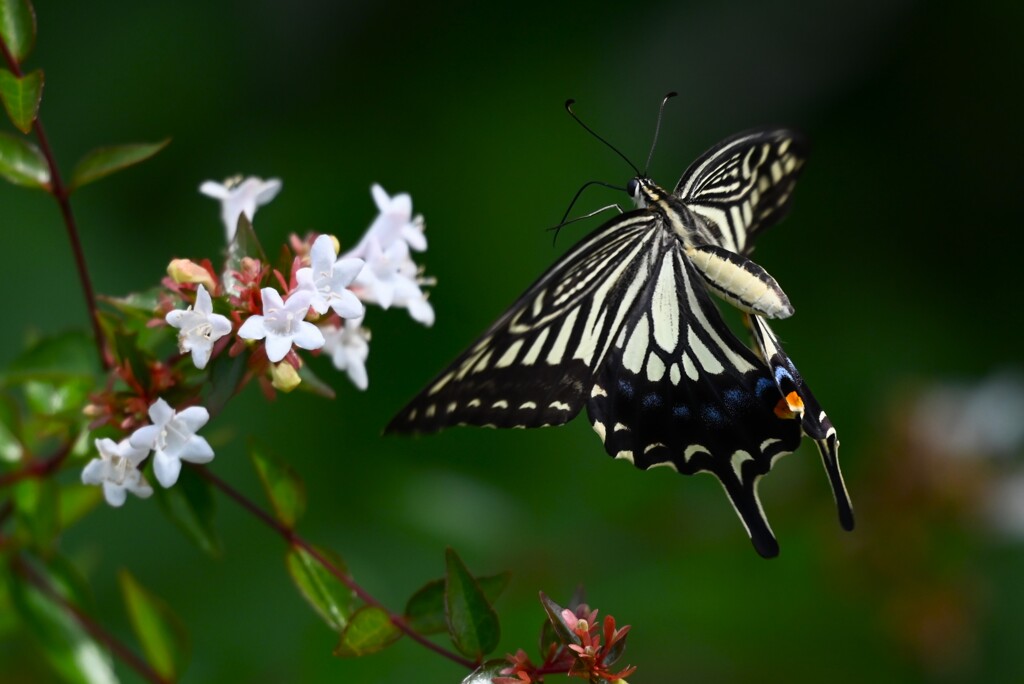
[347,305]
[159,412]
[197,450]
[401,207]
[145,437]
[201,354]
[204,304]
[141,489]
[421,311]
[414,237]
[299,302]
[380,197]
[166,469]
[94,472]
[357,374]
[214,190]
[177,317]
[194,417]
[277,347]
[253,328]
[322,254]
[271,300]
[346,270]
[220,325]
[268,191]
[308,336]
[114,493]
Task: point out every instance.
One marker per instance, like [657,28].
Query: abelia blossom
[349,347]
[238,196]
[282,324]
[117,469]
[394,223]
[173,439]
[328,278]
[200,328]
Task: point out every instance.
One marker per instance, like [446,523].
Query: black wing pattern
[534,366]
[814,421]
[679,389]
[744,184]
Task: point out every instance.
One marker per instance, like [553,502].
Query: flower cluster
[584,648]
[314,300]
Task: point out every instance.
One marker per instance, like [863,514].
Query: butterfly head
[643,191]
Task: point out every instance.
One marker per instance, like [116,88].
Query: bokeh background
[901,256]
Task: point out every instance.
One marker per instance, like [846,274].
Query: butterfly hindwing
[815,422]
[534,366]
[744,184]
[678,389]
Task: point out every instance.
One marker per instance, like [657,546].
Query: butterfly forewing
[678,389]
[744,184]
[534,366]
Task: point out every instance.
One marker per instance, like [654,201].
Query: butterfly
[624,324]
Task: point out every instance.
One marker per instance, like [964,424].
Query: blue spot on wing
[681,411]
[764,385]
[651,400]
[626,388]
[712,415]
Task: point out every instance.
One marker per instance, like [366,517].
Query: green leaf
[76,500]
[472,623]
[22,163]
[424,611]
[161,634]
[331,599]
[37,504]
[68,647]
[225,374]
[18,27]
[244,244]
[562,631]
[282,484]
[56,358]
[104,161]
[487,671]
[370,630]
[21,97]
[189,504]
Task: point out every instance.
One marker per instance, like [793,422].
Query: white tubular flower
[327,279]
[173,438]
[390,278]
[349,347]
[394,223]
[238,196]
[282,324]
[200,328]
[117,469]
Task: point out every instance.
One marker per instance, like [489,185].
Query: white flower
[282,324]
[349,346]
[200,327]
[394,223]
[117,469]
[390,278]
[173,437]
[239,197]
[327,279]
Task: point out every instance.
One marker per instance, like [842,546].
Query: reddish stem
[294,539]
[62,194]
[40,468]
[116,647]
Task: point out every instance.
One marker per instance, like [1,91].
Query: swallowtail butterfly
[624,324]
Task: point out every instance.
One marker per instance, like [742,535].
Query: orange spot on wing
[796,404]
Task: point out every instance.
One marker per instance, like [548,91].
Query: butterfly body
[624,324]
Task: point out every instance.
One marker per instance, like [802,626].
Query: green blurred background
[899,254]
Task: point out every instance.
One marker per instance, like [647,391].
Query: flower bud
[186,271]
[284,377]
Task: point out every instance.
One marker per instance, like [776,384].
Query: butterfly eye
[632,186]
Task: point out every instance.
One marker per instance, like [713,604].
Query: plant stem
[62,194]
[119,649]
[294,539]
[40,468]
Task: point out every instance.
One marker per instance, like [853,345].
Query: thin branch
[62,194]
[118,648]
[40,468]
[294,539]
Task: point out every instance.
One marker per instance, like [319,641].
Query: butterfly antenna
[568,107]
[657,129]
[564,222]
